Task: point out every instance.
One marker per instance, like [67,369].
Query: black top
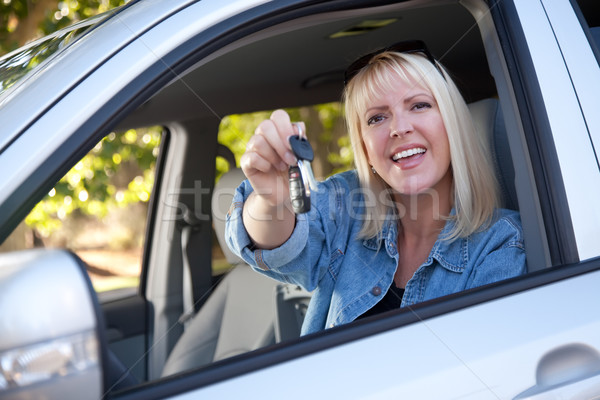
[391,301]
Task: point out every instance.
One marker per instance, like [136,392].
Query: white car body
[534,337]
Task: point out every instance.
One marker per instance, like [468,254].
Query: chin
[413,186]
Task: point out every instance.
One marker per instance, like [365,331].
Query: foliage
[24,20]
[330,115]
[342,160]
[234,133]
[236,130]
[70,11]
[119,171]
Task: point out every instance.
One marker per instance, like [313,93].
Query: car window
[98,209]
[328,135]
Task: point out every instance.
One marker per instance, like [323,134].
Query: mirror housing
[50,337]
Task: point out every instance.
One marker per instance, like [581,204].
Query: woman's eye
[421,105]
[374,119]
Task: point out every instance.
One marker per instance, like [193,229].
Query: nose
[400,126]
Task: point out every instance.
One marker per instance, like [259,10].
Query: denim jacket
[349,275]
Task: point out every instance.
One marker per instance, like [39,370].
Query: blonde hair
[475,188]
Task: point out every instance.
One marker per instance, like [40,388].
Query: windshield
[20,63]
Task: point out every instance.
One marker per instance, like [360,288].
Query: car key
[301,177]
[298,195]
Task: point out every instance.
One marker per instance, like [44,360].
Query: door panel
[488,351]
[126,327]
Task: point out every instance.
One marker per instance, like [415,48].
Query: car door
[492,342]
[72,102]
[516,339]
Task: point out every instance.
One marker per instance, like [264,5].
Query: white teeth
[408,153]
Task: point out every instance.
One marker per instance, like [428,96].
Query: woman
[416,220]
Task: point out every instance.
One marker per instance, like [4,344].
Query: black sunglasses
[409,46]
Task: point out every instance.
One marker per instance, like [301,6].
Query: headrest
[221,201]
[488,121]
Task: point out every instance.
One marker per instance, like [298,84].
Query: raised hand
[267,216]
[268,157]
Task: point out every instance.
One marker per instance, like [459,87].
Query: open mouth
[407,154]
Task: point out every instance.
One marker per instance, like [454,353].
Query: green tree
[24,20]
[119,171]
[325,129]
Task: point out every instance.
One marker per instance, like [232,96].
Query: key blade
[307,175]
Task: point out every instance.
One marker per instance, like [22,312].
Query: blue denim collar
[451,255]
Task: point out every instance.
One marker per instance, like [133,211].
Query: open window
[98,210]
[299,62]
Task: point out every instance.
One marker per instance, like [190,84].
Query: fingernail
[289,158]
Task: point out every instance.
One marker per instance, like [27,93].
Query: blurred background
[98,209]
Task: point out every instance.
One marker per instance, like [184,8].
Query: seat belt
[191,226]
[196,283]
[187,286]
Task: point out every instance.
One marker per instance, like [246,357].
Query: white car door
[529,338]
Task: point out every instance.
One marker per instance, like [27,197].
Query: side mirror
[50,326]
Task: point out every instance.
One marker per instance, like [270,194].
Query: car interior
[297,61]
[290,61]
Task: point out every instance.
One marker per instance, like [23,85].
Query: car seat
[489,121]
[239,315]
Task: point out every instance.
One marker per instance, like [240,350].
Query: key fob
[298,196]
[301,178]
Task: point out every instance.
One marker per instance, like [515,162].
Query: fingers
[252,162]
[277,130]
[268,151]
[270,143]
[299,129]
[261,156]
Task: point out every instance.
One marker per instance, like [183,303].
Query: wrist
[260,208]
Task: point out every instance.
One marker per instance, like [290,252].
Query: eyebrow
[406,100]
[409,99]
[368,110]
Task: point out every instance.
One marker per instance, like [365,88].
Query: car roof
[300,61]
[296,60]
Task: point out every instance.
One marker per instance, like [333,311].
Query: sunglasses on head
[410,46]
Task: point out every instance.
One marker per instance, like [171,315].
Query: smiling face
[405,138]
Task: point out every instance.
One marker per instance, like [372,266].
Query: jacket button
[376,291]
